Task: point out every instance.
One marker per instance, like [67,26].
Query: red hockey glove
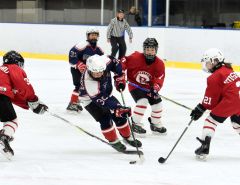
[37,106]
[123,112]
[156,88]
[81,66]
[120,82]
[154,91]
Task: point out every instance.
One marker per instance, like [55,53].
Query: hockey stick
[88,133]
[130,125]
[76,126]
[168,99]
[162,159]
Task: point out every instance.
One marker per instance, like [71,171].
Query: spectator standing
[133,17]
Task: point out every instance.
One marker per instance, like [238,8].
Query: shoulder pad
[81,46]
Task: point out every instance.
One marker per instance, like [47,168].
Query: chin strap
[149,61]
[219,65]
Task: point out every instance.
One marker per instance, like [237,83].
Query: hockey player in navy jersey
[96,95]
[77,60]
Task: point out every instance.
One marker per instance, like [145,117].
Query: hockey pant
[106,119]
[8,116]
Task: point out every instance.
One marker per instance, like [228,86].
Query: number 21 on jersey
[207,100]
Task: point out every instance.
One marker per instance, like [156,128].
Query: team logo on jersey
[73,54]
[143,77]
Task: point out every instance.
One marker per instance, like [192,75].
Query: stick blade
[161,160]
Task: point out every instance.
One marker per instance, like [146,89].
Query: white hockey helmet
[92,29]
[211,58]
[97,63]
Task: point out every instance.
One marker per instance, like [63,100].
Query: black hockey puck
[161,160]
[132,162]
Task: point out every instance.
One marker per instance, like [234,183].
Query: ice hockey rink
[48,151]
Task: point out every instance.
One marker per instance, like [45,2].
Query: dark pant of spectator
[118,43]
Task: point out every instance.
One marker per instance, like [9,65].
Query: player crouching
[95,92]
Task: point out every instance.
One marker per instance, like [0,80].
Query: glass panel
[73,11]
[8,11]
[204,13]
[192,13]
[158,12]
[27,12]
[108,11]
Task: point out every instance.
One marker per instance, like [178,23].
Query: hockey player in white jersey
[96,94]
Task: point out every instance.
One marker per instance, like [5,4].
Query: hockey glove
[123,112]
[120,82]
[156,88]
[154,91]
[81,66]
[197,112]
[37,106]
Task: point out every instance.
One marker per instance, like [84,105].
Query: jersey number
[207,100]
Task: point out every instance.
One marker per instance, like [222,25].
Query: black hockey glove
[197,112]
[37,106]
[123,112]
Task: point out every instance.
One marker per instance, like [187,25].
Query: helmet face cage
[13,57]
[97,64]
[150,43]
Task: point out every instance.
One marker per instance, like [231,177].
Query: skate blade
[158,133]
[140,135]
[202,157]
[8,155]
[73,112]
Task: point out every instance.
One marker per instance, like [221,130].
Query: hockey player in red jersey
[14,88]
[146,70]
[222,97]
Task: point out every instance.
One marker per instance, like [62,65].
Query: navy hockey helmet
[13,57]
[150,43]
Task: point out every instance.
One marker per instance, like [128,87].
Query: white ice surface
[49,151]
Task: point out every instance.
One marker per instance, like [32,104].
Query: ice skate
[117,145]
[74,108]
[138,129]
[5,148]
[133,143]
[203,150]
[156,129]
